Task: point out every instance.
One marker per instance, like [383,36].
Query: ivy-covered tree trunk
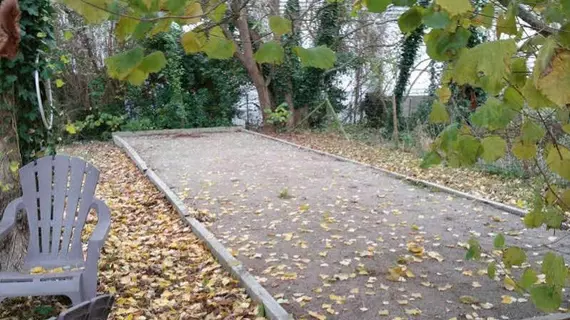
[22,134]
[12,247]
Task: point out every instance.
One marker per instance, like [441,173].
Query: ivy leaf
[318,57]
[492,270]
[70,128]
[506,23]
[531,132]
[377,6]
[125,28]
[154,62]
[455,7]
[555,78]
[524,151]
[193,42]
[554,269]
[546,298]
[410,19]
[494,148]
[438,113]
[14,166]
[430,159]
[558,161]
[486,65]
[59,83]
[67,35]
[279,25]
[270,52]
[513,256]
[443,45]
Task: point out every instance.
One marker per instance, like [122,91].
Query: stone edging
[258,293]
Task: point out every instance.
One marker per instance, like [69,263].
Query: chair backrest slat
[58,192]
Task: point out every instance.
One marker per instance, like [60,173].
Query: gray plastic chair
[58,193]
[96,309]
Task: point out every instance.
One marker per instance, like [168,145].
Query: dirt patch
[327,244]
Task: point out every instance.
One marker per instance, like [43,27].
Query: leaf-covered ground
[152,262]
[336,240]
[512,191]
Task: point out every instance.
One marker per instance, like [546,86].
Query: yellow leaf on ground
[507,299]
[317,315]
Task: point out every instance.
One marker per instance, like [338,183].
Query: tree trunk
[357,87]
[12,247]
[246,57]
[396,134]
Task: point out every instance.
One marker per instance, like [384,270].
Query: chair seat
[13,284]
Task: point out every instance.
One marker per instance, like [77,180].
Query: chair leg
[76,298]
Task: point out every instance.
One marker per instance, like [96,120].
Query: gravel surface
[321,234]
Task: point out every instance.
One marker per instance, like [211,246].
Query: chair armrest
[8,220]
[101,231]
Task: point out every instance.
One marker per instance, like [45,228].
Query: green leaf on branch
[318,57]
[410,19]
[564,35]
[485,17]
[528,278]
[218,14]
[466,151]
[193,42]
[175,5]
[499,241]
[194,13]
[121,65]
[554,78]
[270,52]
[546,298]
[553,219]
[70,128]
[534,219]
[438,113]
[535,98]
[59,83]
[554,269]
[513,256]
[436,19]
[507,23]
[518,72]
[430,159]
[513,99]
[154,62]
[524,151]
[443,45]
[279,25]
[137,77]
[377,6]
[494,148]
[217,46]
[492,270]
[558,160]
[486,65]
[532,132]
[88,11]
[474,251]
[142,30]
[566,128]
[125,28]
[493,115]
[455,7]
